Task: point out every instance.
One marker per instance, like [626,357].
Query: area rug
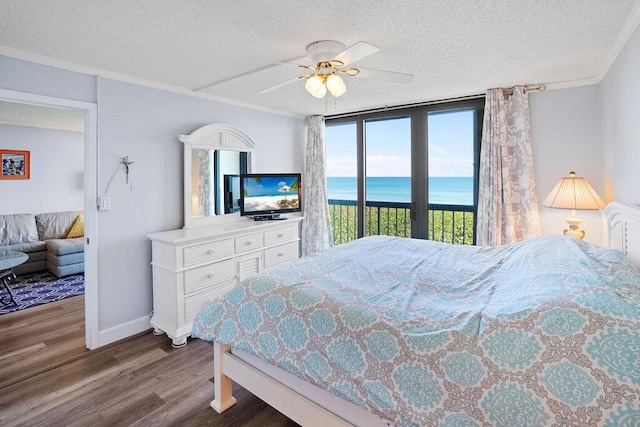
[35,289]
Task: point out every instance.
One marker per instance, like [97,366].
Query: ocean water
[442,190]
[280,185]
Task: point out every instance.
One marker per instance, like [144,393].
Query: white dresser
[193,266]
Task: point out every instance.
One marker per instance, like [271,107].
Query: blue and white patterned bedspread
[542,332]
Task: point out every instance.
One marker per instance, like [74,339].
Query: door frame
[90,111]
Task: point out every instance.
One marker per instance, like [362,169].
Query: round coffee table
[9,260]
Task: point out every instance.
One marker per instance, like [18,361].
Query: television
[267,195]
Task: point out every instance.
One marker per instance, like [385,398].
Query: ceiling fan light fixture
[331,59]
[316,87]
[336,85]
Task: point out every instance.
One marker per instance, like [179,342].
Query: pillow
[77,230]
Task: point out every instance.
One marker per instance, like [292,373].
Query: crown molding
[621,40]
[71,66]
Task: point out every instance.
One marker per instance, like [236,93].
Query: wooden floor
[40,338]
[142,381]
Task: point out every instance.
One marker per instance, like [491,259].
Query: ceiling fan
[329,60]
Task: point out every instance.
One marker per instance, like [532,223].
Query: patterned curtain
[507,201]
[316,226]
[206,198]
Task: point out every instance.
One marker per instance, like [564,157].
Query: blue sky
[388,146]
[268,186]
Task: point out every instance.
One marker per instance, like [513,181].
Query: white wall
[619,113]
[564,133]
[594,130]
[57,168]
[144,124]
[25,76]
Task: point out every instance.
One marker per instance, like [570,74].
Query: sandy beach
[268,202]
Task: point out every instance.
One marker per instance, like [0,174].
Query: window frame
[419,156]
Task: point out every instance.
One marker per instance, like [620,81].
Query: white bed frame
[623,231]
[228,367]
[623,226]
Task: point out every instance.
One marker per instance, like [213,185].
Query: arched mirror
[214,157]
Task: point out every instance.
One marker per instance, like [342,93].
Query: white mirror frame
[217,136]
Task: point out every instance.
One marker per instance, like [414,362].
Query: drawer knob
[281,235]
[250,242]
[281,254]
[210,251]
[211,275]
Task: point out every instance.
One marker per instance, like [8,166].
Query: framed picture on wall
[15,164]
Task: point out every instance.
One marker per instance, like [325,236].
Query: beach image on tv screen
[271,193]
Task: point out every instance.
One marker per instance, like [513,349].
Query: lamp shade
[573,193]
[315,86]
[335,85]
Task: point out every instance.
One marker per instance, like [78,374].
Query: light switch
[104,203]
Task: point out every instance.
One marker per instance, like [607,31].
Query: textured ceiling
[453,48]
[41,117]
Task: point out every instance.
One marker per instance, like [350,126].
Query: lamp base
[573,229]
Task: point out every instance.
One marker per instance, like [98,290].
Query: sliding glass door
[452,141]
[341,142]
[388,177]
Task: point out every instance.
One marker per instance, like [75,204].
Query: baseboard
[124,330]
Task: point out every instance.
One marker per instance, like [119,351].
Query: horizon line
[396,176]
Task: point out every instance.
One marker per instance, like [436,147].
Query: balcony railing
[447,223]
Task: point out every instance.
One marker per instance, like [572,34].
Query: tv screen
[267,195]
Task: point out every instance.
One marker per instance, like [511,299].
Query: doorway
[89,184]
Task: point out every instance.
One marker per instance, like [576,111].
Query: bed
[394,331]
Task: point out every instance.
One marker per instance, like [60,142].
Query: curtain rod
[525,88]
[400,107]
[507,91]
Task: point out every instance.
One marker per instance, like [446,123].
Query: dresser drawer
[208,275]
[207,252]
[248,242]
[280,235]
[193,305]
[280,253]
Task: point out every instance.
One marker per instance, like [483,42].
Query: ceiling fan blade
[237,76]
[355,53]
[294,62]
[389,76]
[279,85]
[267,66]
[308,67]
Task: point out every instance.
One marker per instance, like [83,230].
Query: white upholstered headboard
[624,229]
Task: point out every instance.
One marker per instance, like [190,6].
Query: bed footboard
[222,399]
[228,367]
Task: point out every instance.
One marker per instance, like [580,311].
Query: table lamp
[573,193]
